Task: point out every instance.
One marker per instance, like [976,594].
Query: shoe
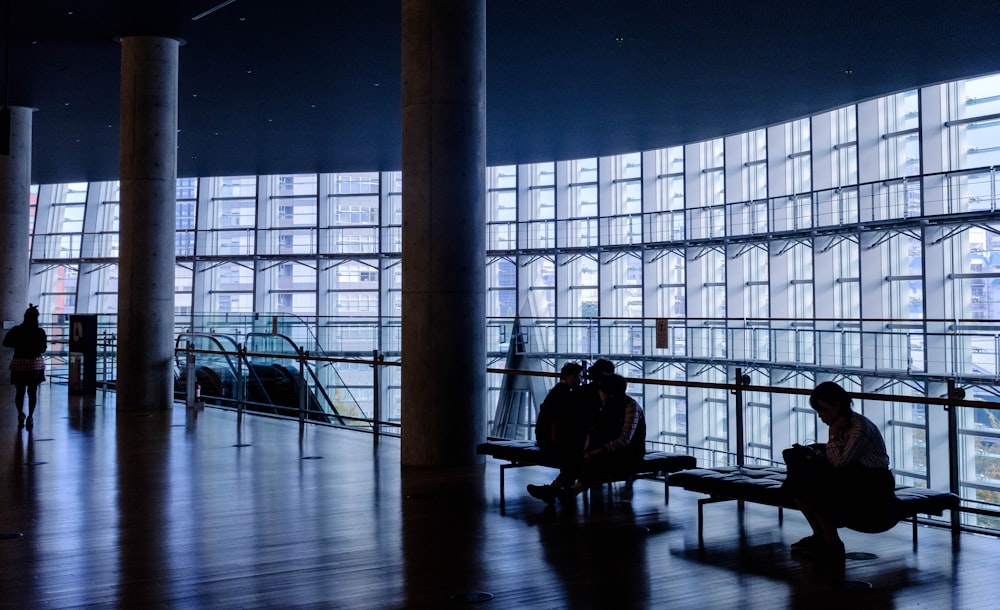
[20,420]
[29,423]
[545,493]
[806,545]
[818,548]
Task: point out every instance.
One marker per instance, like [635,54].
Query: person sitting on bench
[615,443]
[844,483]
[559,430]
[564,418]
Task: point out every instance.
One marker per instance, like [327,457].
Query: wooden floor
[197,509]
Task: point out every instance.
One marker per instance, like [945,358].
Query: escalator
[227,379]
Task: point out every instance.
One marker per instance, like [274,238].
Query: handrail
[743,449]
[245,356]
[302,356]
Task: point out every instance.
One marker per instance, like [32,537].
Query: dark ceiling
[308,86]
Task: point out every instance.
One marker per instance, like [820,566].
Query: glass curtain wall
[859,245]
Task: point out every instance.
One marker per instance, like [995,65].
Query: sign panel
[662,341]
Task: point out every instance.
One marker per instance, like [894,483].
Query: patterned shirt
[631,425]
[861,444]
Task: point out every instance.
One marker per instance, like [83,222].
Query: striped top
[631,426]
[860,445]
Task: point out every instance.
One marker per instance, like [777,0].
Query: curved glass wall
[860,245]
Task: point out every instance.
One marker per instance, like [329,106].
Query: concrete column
[15,193]
[444,231]
[148,211]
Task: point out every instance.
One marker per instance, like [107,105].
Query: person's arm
[10,339]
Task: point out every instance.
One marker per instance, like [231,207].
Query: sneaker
[29,423]
[545,493]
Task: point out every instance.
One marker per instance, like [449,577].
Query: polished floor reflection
[202,509]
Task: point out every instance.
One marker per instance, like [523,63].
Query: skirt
[27,371]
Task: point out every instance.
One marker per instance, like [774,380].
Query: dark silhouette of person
[616,441]
[589,398]
[560,430]
[579,406]
[555,415]
[27,368]
[843,483]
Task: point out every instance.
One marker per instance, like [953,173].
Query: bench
[655,464]
[762,485]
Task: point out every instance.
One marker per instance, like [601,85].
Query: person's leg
[593,471]
[810,517]
[19,397]
[570,462]
[32,390]
[32,398]
[19,401]
[819,525]
[547,493]
[822,528]
[824,541]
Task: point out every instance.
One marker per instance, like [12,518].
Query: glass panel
[501,293]
[58,292]
[899,145]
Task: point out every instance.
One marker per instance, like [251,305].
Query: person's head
[611,386]
[600,368]
[570,373]
[31,315]
[830,401]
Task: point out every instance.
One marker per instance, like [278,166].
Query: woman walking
[27,368]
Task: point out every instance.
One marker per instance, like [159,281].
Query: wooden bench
[762,485]
[655,464]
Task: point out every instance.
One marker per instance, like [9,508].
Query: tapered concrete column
[147,222]
[444,252]
[15,210]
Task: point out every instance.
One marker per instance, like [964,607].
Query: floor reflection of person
[597,563]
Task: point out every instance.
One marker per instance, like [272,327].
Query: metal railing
[950,429]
